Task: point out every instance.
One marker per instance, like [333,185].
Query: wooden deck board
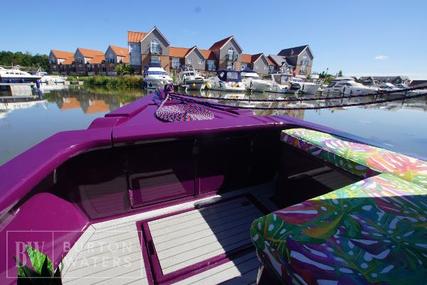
[242,270]
[224,227]
[103,240]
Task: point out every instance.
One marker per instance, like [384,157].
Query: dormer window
[155,47]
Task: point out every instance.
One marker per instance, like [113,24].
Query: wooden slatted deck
[185,239]
[110,253]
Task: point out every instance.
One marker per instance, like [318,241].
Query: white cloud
[381,57]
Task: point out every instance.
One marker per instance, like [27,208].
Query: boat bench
[371,231]
[358,159]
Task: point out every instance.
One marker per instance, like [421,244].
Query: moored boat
[253,82]
[300,86]
[348,87]
[173,190]
[15,75]
[156,77]
[226,80]
[279,83]
[190,79]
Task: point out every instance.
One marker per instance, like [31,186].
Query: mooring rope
[218,105]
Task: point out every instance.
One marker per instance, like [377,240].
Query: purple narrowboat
[171,190]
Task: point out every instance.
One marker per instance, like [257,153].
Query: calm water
[397,126]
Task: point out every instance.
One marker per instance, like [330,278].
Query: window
[155,47]
[189,61]
[231,54]
[304,63]
[211,65]
[176,64]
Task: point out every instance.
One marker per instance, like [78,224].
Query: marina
[212,142]
[391,125]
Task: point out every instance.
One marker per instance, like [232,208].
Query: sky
[359,37]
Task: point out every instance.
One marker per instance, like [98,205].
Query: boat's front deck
[203,241]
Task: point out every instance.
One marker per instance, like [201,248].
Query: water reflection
[93,100]
[395,125]
[24,124]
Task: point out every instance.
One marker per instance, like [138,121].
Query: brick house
[88,61]
[300,57]
[114,55]
[256,62]
[146,48]
[187,56]
[279,64]
[227,53]
[210,60]
[59,61]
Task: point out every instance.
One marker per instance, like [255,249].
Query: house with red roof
[152,47]
[187,56]
[87,61]
[116,55]
[210,59]
[147,48]
[61,57]
[227,53]
[60,60]
[256,62]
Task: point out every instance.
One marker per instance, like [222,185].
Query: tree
[326,77]
[9,58]
[123,69]
[339,74]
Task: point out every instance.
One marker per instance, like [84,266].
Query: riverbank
[116,82]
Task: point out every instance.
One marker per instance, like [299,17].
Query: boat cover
[372,231]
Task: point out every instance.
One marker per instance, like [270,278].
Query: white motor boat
[298,85]
[348,87]
[51,79]
[253,82]
[156,77]
[226,80]
[190,79]
[279,83]
[14,75]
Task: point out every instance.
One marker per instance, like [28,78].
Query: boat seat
[359,159]
[371,232]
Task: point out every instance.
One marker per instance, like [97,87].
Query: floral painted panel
[359,159]
[372,231]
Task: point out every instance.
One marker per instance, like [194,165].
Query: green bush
[124,69]
[126,81]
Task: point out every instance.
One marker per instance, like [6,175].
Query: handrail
[382,92]
[301,108]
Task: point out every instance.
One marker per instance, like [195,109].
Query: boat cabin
[229,75]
